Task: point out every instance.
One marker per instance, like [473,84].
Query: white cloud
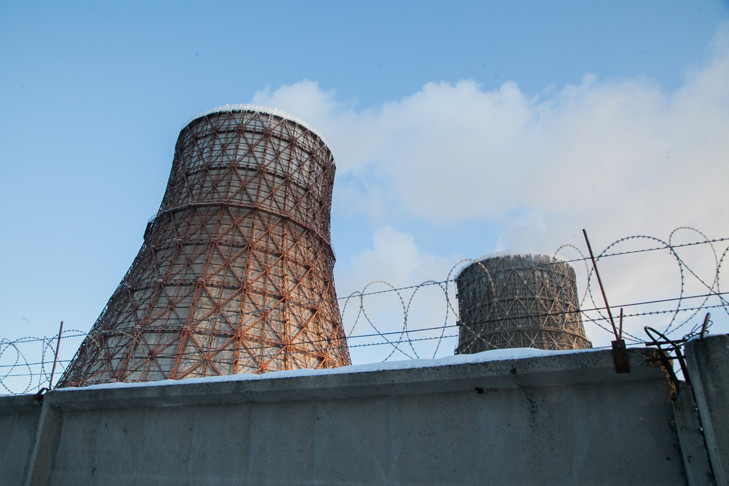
[617,157]
[395,258]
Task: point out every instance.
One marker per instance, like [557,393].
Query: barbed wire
[367,330]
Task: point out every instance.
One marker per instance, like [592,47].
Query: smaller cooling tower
[519,301]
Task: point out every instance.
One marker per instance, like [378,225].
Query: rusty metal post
[620,353]
[55,357]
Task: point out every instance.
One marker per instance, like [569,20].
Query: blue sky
[459,128]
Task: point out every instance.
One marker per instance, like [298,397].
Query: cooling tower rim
[259,109]
[538,257]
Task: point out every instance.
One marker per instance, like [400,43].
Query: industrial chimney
[235,274]
[519,301]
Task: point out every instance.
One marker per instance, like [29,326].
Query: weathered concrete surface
[708,362]
[562,419]
[18,426]
[696,460]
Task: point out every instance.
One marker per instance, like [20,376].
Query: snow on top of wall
[482,357]
[258,109]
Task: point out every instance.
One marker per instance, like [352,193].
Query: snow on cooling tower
[236,271]
[519,301]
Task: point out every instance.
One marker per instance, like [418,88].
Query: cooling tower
[519,301]
[235,274]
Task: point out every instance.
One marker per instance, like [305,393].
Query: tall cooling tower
[235,273]
[519,301]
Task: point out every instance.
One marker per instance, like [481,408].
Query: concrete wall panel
[561,419]
[708,361]
[18,427]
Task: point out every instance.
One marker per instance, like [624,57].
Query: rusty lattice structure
[519,301]
[236,271]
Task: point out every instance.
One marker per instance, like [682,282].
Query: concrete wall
[559,419]
[18,426]
[708,362]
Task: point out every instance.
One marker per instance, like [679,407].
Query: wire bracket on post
[620,352]
[620,356]
[675,347]
[705,326]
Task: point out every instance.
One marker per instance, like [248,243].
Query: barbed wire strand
[403,341]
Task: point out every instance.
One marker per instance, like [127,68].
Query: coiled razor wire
[20,375]
[29,376]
